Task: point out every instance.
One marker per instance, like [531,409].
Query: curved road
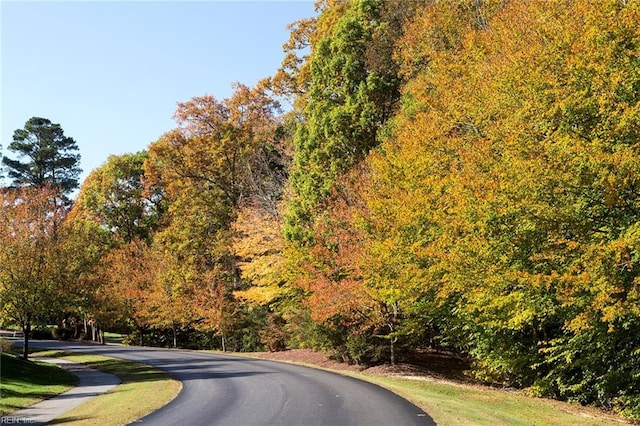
[230,390]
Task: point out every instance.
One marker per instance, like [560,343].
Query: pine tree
[51,157]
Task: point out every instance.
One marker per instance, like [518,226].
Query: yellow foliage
[259,244]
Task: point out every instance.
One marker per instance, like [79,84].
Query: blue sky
[111,73]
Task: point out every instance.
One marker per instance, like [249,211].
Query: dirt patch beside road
[425,364]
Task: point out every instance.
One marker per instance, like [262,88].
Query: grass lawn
[143,390]
[113,338]
[24,383]
[456,404]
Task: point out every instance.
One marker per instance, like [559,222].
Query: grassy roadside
[25,383]
[454,404]
[143,390]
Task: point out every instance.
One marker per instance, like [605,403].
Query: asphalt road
[230,390]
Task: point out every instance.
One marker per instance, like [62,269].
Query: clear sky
[111,73]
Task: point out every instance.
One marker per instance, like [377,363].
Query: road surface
[225,390]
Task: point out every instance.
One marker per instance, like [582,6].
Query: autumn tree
[83,245]
[259,245]
[113,214]
[352,91]
[224,155]
[221,146]
[31,262]
[292,78]
[126,275]
[166,302]
[505,195]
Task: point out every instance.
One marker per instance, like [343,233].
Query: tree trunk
[175,340]
[393,339]
[393,351]
[76,329]
[26,329]
[224,349]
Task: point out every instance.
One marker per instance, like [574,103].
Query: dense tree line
[458,176]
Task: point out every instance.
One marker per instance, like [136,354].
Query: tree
[115,202]
[224,155]
[83,246]
[166,302]
[115,196]
[51,157]
[508,192]
[258,244]
[223,146]
[352,91]
[31,264]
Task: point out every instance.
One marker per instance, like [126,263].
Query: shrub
[629,406]
[6,345]
[61,333]
[42,333]
[273,336]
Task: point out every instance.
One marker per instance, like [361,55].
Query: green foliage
[601,364]
[42,333]
[348,100]
[6,345]
[52,158]
[115,197]
[352,91]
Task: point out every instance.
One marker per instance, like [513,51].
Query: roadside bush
[135,338]
[360,347]
[42,333]
[630,407]
[273,336]
[61,333]
[6,345]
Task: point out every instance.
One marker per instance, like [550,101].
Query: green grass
[113,338]
[24,383]
[143,390]
[457,404]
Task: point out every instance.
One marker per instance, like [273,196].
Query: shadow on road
[68,420]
